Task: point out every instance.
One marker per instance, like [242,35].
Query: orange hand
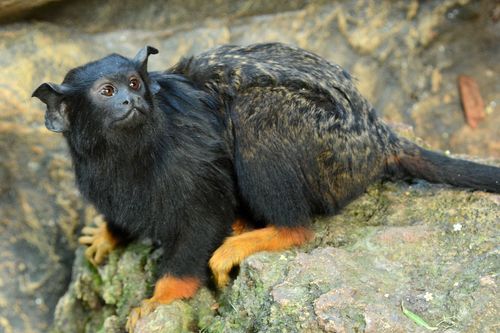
[100,240]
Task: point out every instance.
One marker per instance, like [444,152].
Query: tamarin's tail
[417,162]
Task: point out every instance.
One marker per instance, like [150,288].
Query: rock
[407,251]
[100,299]
[328,308]
[176,318]
[156,15]
[41,211]
[13,9]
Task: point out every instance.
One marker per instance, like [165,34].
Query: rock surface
[432,248]
[14,9]
[406,57]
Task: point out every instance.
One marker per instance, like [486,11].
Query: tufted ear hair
[141,60]
[56,116]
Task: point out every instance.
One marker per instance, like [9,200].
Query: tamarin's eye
[134,83]
[108,90]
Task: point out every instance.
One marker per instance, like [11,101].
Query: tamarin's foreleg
[236,248]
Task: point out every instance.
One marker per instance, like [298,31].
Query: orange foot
[100,240]
[236,248]
[167,290]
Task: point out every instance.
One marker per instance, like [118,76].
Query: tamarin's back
[233,69]
[300,126]
[298,119]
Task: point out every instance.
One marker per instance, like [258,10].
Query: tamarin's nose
[126,102]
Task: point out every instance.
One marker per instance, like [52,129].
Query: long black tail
[417,162]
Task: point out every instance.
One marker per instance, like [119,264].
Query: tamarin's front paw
[236,248]
[229,254]
[223,260]
[167,290]
[100,240]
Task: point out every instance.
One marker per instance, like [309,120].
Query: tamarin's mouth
[132,114]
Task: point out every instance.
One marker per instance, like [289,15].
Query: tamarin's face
[121,98]
[109,95]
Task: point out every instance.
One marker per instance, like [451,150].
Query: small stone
[487,280]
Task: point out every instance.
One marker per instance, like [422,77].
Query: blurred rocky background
[431,247]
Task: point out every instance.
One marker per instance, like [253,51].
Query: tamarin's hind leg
[99,239]
[236,248]
[167,290]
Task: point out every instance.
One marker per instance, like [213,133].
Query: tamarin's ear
[56,116]
[141,59]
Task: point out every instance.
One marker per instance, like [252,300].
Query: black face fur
[112,96]
[122,99]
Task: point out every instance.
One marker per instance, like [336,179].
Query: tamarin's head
[111,94]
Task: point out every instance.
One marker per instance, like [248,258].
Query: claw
[167,290]
[147,307]
[100,241]
[223,260]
